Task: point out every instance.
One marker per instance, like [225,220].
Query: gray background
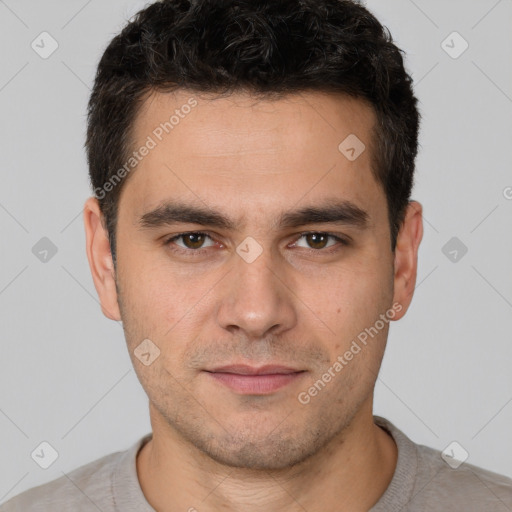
[65,375]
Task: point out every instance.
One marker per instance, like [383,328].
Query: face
[286,262]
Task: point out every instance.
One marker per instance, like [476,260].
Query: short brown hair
[266,48]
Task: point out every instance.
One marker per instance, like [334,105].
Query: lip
[250,380]
[244,369]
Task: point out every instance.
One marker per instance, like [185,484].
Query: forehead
[240,151]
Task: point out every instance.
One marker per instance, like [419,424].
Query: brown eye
[193,240]
[317,240]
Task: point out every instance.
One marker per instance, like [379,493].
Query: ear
[100,259]
[406,257]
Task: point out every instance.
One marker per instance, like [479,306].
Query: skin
[296,304]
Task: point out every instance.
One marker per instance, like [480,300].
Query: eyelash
[342,241]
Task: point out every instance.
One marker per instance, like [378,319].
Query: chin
[270,451]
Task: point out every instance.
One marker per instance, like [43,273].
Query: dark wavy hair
[268,48]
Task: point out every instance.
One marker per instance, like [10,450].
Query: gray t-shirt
[422,482]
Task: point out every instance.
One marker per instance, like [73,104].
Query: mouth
[250,380]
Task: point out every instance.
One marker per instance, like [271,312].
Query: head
[252,123]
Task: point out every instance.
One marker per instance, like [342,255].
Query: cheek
[169,307]
[159,295]
[355,300]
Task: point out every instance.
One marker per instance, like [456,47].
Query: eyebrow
[330,212]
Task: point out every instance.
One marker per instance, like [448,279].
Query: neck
[350,473]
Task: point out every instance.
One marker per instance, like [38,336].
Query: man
[252,227]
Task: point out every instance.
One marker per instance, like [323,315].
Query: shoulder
[443,481]
[88,487]
[429,480]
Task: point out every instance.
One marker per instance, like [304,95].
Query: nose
[256,298]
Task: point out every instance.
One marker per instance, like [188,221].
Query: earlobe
[406,256]
[100,259]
